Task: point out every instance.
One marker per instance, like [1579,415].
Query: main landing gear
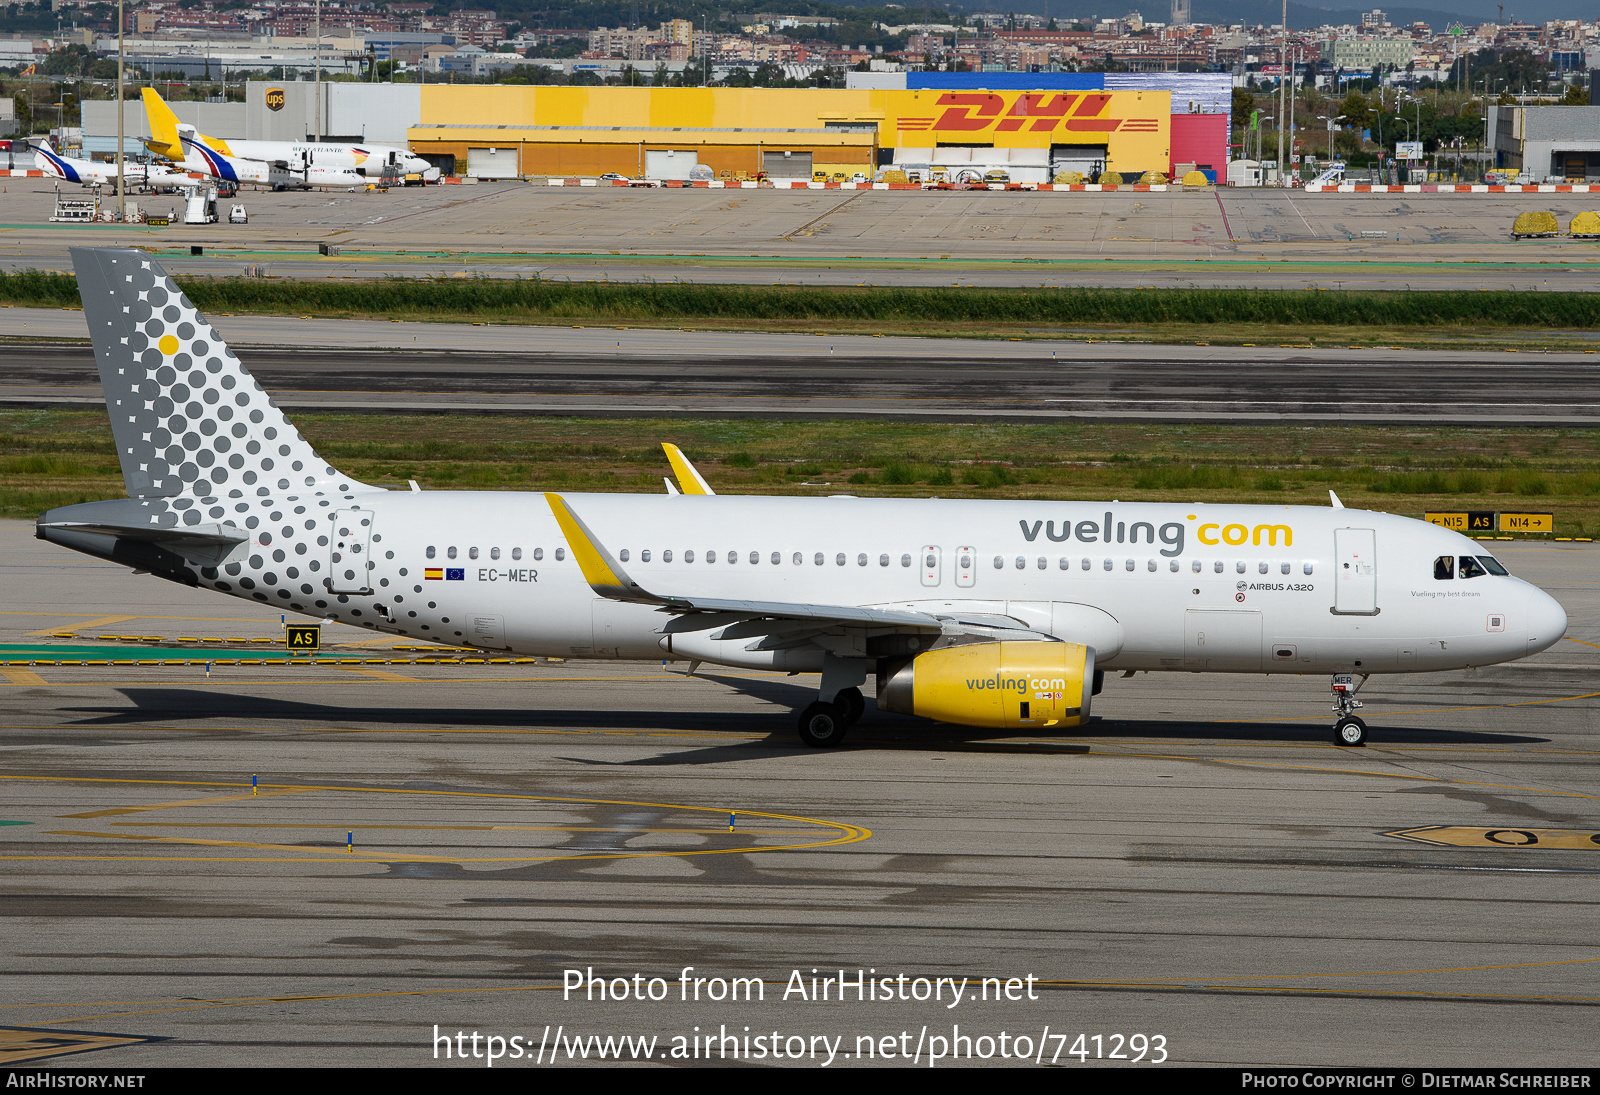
[823,725]
[1347,729]
[839,704]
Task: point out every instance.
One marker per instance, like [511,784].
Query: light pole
[1331,120]
[1283,99]
[316,87]
[122,204]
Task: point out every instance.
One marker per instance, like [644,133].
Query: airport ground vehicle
[998,614]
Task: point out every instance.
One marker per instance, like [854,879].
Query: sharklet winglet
[689,477]
[600,568]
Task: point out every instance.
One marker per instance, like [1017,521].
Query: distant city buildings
[480,42]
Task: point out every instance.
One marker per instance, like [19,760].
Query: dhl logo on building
[1031,112]
[1134,125]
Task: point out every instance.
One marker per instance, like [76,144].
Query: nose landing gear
[1347,729]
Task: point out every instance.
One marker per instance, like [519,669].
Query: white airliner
[983,613]
[369,161]
[202,158]
[91,173]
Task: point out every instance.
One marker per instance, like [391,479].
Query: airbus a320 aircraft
[983,613]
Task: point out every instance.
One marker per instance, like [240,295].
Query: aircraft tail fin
[48,160]
[164,139]
[186,415]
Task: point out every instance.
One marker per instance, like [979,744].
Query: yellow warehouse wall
[1134,125]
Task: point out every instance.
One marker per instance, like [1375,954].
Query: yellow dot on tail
[168,345]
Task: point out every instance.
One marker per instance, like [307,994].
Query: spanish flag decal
[433,574]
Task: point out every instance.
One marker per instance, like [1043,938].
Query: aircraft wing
[783,621]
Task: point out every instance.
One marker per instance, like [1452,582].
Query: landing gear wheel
[850,701]
[822,725]
[1350,731]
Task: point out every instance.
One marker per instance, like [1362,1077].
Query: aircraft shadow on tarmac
[878,729]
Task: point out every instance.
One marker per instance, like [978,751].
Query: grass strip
[534,299]
[53,458]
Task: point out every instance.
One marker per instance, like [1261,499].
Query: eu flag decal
[455,574]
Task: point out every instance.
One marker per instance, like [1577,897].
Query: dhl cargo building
[1034,126]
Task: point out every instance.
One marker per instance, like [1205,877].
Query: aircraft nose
[1547,622]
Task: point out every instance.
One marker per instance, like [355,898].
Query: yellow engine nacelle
[1005,686]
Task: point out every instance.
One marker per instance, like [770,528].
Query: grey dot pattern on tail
[202,423]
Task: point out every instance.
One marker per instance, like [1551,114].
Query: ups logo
[274,98]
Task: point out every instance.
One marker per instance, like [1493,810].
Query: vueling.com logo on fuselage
[1001,684]
[1110,530]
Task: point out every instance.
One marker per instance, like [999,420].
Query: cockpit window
[1444,567]
[1471,568]
[1492,565]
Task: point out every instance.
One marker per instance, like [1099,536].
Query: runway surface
[1227,238]
[371,367]
[434,847]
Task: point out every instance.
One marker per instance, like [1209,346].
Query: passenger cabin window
[999,562]
[621,555]
[432,551]
[1217,566]
[494,553]
[1471,568]
[666,556]
[817,560]
[538,553]
[644,556]
[450,552]
[561,553]
[1307,568]
[1284,568]
[688,556]
[905,560]
[516,553]
[799,559]
[1444,568]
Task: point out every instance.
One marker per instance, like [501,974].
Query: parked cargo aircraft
[367,160]
[91,173]
[983,613]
